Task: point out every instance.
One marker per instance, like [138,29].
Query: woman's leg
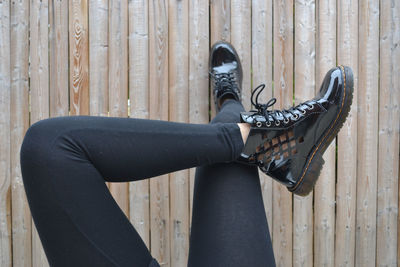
[229,225]
[65,162]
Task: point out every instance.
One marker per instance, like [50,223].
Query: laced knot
[276,115]
[261,108]
[224,81]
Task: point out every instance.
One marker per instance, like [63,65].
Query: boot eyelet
[295,117]
[312,106]
[277,123]
[268,123]
[286,121]
[258,124]
[303,111]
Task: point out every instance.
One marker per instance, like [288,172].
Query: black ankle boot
[288,144]
[226,73]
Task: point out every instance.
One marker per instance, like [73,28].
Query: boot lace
[224,81]
[262,109]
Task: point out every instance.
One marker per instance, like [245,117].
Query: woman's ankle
[244,130]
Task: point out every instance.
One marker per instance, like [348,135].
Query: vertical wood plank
[377,195]
[198,69]
[19,123]
[398,221]
[261,47]
[241,40]
[5,237]
[347,47]
[118,81]
[220,19]
[58,41]
[179,111]
[283,90]
[220,12]
[139,198]
[304,90]
[39,87]
[159,187]
[7,246]
[98,60]
[368,58]
[39,61]
[79,57]
[324,193]
[389,86]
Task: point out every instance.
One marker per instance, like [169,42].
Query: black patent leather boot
[226,73]
[288,144]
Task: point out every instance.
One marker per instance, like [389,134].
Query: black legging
[65,162]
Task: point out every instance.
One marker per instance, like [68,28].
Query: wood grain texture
[67,47]
[178,13]
[398,221]
[19,123]
[159,187]
[198,70]
[220,13]
[367,156]
[347,47]
[79,57]
[139,197]
[58,42]
[282,203]
[5,226]
[388,172]
[241,40]
[98,60]
[324,193]
[118,81]
[39,60]
[262,62]
[220,29]
[304,71]
[39,87]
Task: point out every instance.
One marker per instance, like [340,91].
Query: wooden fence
[148,59]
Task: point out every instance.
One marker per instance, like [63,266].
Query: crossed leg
[65,162]
[229,225]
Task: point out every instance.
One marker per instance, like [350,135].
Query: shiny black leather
[226,72]
[283,143]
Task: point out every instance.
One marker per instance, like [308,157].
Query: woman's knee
[36,145]
[50,141]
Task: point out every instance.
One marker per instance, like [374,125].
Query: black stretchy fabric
[229,224]
[65,162]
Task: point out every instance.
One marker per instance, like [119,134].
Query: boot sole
[315,163]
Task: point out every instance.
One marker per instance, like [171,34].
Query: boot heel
[313,172]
